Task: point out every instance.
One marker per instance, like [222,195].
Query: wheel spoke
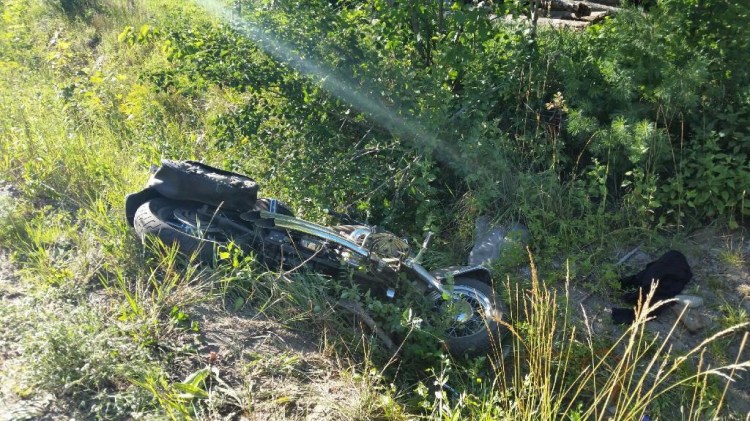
[194,223]
[459,324]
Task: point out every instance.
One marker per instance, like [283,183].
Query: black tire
[481,332]
[157,217]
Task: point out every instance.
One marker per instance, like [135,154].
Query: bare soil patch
[721,277]
[282,372]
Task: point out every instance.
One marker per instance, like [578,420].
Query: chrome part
[426,276]
[360,234]
[478,272]
[289,222]
[470,310]
[425,244]
[464,313]
[387,245]
[351,260]
[311,245]
[190,221]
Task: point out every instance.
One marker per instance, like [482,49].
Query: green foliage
[72,350]
[680,85]
[616,104]
[79,9]
[419,115]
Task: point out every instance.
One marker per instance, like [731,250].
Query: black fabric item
[621,316]
[191,180]
[672,272]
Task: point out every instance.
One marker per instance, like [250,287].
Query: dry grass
[556,369]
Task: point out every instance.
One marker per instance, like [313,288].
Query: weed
[75,352]
[618,135]
[554,371]
[158,295]
[733,316]
[733,253]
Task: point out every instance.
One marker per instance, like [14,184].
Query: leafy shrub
[80,8]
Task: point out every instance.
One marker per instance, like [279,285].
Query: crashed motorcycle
[201,208]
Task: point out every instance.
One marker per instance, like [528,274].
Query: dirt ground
[284,373]
[720,263]
[275,372]
[270,371]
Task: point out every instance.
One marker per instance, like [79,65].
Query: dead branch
[357,309]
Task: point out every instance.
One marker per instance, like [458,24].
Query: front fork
[413,264]
[431,281]
[435,280]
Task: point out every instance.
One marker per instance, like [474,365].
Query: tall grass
[77,133]
[557,368]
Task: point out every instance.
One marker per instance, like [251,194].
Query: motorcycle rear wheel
[181,223]
[475,312]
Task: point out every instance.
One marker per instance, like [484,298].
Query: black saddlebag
[191,180]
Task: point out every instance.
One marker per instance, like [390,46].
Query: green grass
[734,252]
[111,327]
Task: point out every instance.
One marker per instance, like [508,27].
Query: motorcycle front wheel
[196,232]
[474,311]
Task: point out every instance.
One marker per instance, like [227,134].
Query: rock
[746,305]
[692,301]
[490,241]
[738,401]
[28,409]
[692,320]
[744,291]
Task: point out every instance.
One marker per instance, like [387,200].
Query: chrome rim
[191,221]
[469,310]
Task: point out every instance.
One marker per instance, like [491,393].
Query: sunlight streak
[338,86]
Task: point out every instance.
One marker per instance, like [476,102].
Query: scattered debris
[692,301]
[692,320]
[491,241]
[671,272]
[628,256]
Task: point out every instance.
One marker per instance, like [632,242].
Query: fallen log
[596,7]
[615,3]
[595,17]
[562,23]
[559,19]
[560,15]
[580,8]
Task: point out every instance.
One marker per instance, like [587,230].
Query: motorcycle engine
[383,244]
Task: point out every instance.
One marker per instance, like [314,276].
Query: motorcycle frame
[311,228]
[430,280]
